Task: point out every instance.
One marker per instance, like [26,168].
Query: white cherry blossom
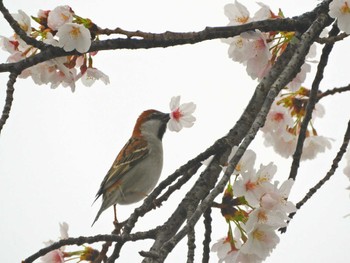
[24,21]
[340,9]
[91,75]
[261,240]
[181,114]
[74,36]
[59,16]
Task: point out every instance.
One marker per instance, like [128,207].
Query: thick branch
[167,39]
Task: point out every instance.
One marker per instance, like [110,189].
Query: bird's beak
[166,117]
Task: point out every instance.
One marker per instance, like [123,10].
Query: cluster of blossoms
[59,27]
[283,123]
[257,207]
[256,50]
[60,255]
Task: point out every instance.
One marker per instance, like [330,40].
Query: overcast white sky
[57,146]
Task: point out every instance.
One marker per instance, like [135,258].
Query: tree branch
[327,49]
[333,91]
[329,174]
[207,235]
[8,101]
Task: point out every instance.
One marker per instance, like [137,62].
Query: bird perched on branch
[137,168]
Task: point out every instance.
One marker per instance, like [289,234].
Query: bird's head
[151,122]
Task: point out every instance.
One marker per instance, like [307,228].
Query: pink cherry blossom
[247,185]
[259,62]
[224,251]
[9,45]
[57,255]
[54,256]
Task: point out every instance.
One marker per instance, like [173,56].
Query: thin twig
[329,40]
[207,235]
[150,234]
[333,91]
[311,104]
[329,174]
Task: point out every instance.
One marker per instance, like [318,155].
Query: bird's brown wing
[126,160]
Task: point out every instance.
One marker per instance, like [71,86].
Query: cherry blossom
[227,248]
[248,186]
[266,173]
[295,84]
[181,115]
[275,197]
[237,13]
[245,163]
[263,13]
[93,74]
[54,256]
[247,258]
[314,145]
[283,122]
[258,62]
[24,21]
[74,36]
[224,251]
[277,119]
[59,27]
[261,240]
[272,218]
[340,9]
[59,16]
[57,255]
[11,46]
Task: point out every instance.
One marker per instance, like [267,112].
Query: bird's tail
[98,215]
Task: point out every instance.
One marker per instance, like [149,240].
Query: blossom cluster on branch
[59,27]
[258,52]
[256,206]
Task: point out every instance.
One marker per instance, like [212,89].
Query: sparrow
[137,168]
